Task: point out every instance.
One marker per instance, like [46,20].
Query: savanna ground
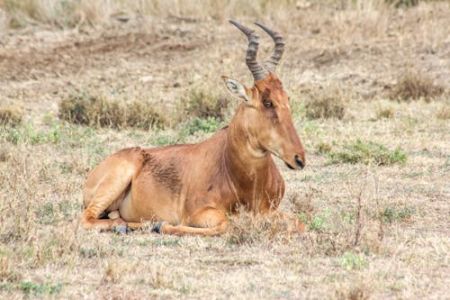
[369,84]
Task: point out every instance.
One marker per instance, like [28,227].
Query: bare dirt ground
[374,231]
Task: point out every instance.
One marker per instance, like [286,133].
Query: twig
[358,221]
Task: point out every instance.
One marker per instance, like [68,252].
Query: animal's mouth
[289,166]
[297,164]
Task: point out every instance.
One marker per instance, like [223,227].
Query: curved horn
[253,41]
[272,62]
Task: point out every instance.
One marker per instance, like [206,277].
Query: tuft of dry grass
[323,148]
[325,103]
[201,103]
[100,112]
[246,228]
[415,86]
[443,112]
[356,291]
[11,116]
[385,113]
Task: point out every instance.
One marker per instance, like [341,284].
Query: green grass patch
[207,125]
[57,133]
[316,222]
[32,288]
[28,134]
[394,214]
[367,152]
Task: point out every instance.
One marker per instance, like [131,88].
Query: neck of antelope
[247,163]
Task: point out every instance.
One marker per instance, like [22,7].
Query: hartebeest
[190,189]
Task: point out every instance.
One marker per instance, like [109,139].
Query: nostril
[299,162]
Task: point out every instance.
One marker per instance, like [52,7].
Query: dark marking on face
[265,95]
[210,188]
[165,173]
[269,111]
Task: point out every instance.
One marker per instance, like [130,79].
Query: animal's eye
[268,103]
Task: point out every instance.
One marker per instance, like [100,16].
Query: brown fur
[193,187]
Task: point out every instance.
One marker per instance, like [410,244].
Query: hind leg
[104,186]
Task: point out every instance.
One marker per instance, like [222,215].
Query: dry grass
[385,113]
[372,231]
[444,112]
[325,103]
[11,115]
[97,111]
[204,104]
[415,86]
[75,13]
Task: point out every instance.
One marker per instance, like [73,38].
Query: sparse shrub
[159,279]
[358,291]
[443,113]
[143,115]
[352,261]
[415,86]
[402,3]
[325,103]
[367,153]
[392,214]
[10,115]
[200,103]
[112,273]
[8,273]
[323,148]
[100,112]
[247,228]
[303,204]
[5,153]
[385,113]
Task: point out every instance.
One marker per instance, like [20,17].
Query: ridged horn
[272,62]
[257,70]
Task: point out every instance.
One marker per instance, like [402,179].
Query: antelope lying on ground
[190,189]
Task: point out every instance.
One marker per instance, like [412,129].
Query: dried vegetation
[11,115]
[415,86]
[376,217]
[97,111]
[325,103]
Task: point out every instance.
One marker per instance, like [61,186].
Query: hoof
[157,227]
[120,229]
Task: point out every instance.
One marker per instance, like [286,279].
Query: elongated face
[268,119]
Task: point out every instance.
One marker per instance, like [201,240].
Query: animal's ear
[236,88]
